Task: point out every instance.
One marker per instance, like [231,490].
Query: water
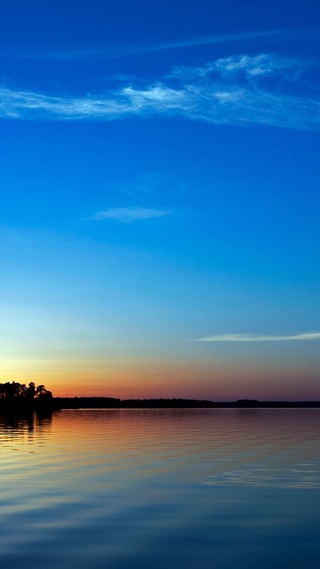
[140,489]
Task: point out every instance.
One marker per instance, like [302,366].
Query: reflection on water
[298,477]
[161,488]
[19,423]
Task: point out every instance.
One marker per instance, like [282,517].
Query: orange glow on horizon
[172,379]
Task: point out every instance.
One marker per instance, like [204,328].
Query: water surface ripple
[220,488]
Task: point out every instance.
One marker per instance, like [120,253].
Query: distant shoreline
[60,403]
[113,403]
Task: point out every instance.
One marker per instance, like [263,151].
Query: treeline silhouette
[18,396]
[114,403]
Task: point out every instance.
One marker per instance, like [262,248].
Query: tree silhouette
[19,394]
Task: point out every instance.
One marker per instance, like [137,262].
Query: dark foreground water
[224,489]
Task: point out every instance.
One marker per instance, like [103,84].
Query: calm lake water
[145,489]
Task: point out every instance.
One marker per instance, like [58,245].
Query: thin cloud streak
[256,338]
[118,52]
[216,39]
[234,90]
[129,214]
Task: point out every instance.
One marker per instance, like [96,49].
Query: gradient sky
[159,191]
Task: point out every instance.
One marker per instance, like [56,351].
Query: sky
[159,197]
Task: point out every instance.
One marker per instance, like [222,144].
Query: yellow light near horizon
[162,379]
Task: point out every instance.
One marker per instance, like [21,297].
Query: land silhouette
[114,403]
[16,396]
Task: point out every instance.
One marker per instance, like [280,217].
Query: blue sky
[159,191]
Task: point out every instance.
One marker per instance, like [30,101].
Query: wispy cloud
[218,39]
[129,51]
[250,67]
[129,214]
[259,89]
[113,105]
[261,338]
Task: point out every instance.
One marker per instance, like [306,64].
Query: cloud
[254,66]
[241,90]
[128,214]
[237,66]
[118,52]
[224,38]
[114,105]
[258,338]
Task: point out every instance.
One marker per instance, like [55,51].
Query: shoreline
[113,403]
[60,403]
